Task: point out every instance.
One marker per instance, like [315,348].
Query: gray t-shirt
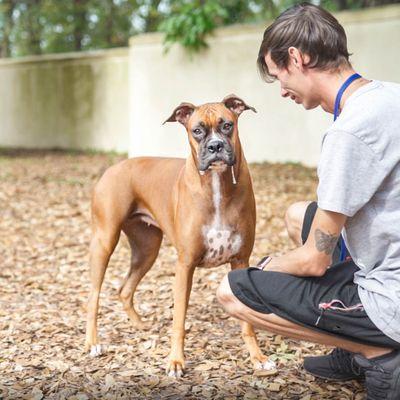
[359,176]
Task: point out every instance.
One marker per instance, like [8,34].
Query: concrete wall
[281,130]
[74,101]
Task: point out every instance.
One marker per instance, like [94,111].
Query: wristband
[263,262]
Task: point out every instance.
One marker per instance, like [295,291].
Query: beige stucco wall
[117,99]
[281,130]
[74,101]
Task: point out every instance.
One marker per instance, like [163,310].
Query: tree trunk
[5,45]
[33,27]
[79,22]
[342,4]
[153,17]
[110,23]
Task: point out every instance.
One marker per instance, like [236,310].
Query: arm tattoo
[325,242]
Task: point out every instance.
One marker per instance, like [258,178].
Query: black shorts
[329,303]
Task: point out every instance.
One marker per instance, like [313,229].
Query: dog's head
[212,129]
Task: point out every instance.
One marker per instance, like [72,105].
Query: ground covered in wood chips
[44,284]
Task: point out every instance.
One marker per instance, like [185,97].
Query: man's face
[295,82]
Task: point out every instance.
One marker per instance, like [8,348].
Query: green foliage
[86,24]
[50,26]
[109,24]
[6,10]
[191,22]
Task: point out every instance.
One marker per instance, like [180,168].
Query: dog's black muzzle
[215,150]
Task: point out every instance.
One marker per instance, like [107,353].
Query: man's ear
[236,104]
[297,58]
[181,113]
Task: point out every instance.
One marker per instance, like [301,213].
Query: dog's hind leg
[145,241]
[102,246]
[110,207]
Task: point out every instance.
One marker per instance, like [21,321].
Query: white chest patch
[220,240]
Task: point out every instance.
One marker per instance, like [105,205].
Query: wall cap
[71,56]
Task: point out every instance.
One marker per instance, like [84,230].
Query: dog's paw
[137,321]
[175,368]
[268,365]
[141,325]
[96,350]
[264,364]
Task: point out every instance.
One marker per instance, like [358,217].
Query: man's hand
[315,256]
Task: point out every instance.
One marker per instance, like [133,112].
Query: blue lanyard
[339,95]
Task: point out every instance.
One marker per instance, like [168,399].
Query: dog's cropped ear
[236,104]
[181,113]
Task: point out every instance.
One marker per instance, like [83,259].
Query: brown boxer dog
[205,206]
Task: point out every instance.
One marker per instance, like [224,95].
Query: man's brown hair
[311,29]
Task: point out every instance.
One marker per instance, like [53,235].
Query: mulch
[44,284]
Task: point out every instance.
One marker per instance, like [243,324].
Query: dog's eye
[227,126]
[197,131]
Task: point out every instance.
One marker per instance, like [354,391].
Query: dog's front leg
[182,287]
[259,360]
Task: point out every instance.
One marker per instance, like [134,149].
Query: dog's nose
[215,146]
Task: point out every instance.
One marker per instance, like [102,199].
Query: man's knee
[224,292]
[294,218]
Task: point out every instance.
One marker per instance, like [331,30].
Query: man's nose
[215,146]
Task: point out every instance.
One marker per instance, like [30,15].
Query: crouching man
[341,286]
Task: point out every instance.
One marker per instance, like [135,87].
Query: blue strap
[339,95]
[349,80]
[343,249]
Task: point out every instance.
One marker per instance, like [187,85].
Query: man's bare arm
[315,256]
